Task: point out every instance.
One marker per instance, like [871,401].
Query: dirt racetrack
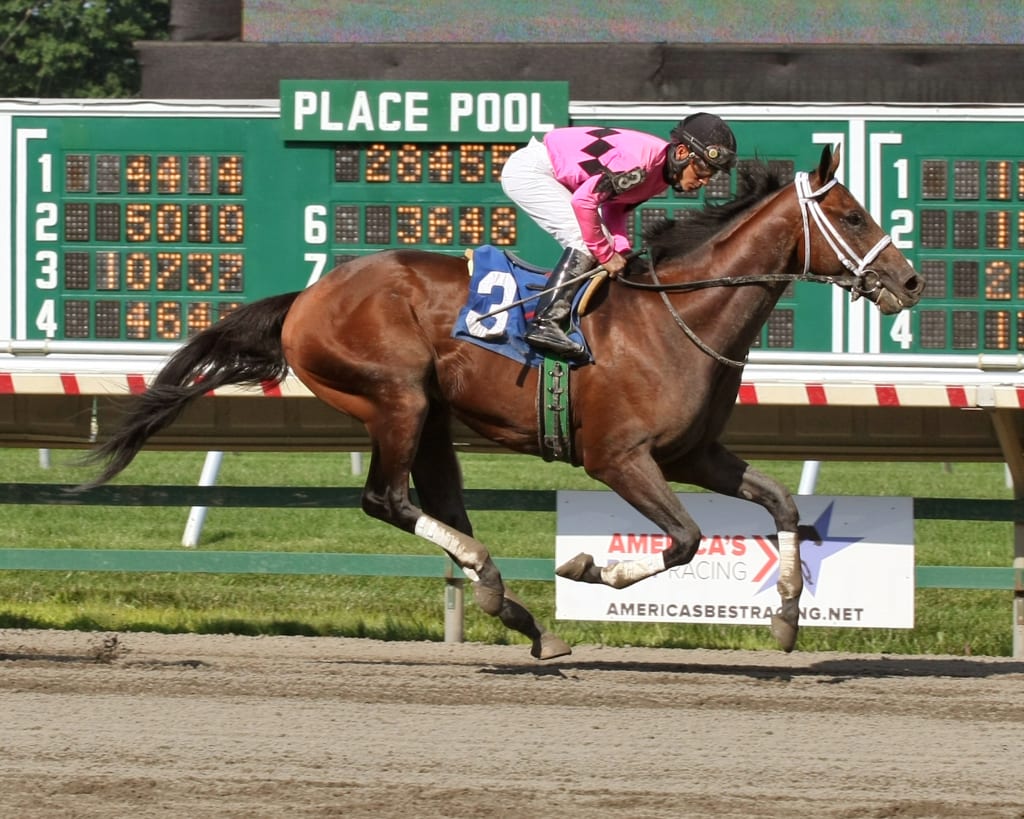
[149,725]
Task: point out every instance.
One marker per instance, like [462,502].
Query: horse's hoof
[581,568]
[548,646]
[784,632]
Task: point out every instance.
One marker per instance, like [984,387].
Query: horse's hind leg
[438,479]
[437,475]
[386,497]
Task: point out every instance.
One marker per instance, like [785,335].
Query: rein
[721,359]
[861,281]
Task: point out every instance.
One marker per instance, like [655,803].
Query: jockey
[581,183]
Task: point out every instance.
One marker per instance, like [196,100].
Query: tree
[76,48]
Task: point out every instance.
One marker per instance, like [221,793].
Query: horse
[373,339]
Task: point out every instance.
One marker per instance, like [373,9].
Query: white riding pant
[529,180]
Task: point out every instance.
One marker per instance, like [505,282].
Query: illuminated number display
[432,196]
[971,235]
[148,226]
[166,237]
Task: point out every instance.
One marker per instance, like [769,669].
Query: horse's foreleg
[638,481]
[722,471]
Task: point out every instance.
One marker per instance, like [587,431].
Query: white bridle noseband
[810,207]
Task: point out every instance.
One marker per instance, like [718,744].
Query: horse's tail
[243,348]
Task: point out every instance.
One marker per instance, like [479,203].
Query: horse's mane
[674,237]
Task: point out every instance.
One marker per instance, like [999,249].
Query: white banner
[860,574]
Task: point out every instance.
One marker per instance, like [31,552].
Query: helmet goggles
[708,159]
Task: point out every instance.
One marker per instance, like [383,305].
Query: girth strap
[554,433]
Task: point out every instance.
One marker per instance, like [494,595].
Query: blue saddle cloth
[499,279]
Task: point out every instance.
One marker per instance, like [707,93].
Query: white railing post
[454,607]
[197,515]
[809,477]
[1004,422]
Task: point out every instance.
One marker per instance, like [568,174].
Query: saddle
[494,317]
[491,271]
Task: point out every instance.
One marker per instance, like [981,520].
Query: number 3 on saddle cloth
[497,279]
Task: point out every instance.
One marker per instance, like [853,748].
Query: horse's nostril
[915,285]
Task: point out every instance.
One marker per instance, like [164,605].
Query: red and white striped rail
[90,383]
[762,385]
[881,394]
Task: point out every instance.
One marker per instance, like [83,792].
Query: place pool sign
[367,110]
[861,574]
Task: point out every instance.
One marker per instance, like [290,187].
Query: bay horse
[373,339]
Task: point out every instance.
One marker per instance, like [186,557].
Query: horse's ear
[829,163]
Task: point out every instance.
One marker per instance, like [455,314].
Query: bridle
[865,280]
[860,281]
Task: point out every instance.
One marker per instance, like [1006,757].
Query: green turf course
[949,621]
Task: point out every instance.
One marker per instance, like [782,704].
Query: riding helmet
[709,137]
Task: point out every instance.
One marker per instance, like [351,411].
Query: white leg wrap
[791,579]
[452,541]
[628,572]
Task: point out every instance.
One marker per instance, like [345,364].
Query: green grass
[405,608]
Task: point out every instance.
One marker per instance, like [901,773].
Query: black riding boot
[545,331]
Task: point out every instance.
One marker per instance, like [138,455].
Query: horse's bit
[862,281]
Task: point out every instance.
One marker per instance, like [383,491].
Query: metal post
[454,607]
[1018,592]
[809,477]
[1009,441]
[197,515]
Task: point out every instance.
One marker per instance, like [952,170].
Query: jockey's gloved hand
[628,259]
[614,265]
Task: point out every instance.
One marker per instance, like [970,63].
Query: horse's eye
[854,219]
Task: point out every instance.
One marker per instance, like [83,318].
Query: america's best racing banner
[858,572]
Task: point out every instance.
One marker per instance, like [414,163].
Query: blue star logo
[812,554]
